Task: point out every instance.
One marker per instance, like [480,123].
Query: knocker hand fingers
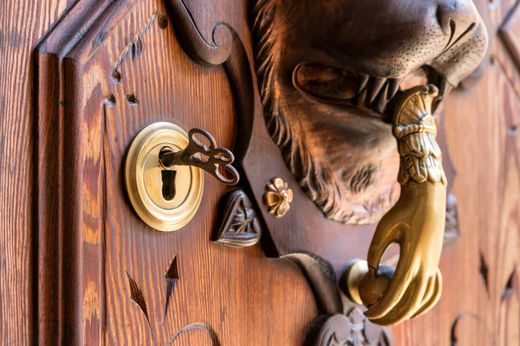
[434,297]
[403,278]
[408,305]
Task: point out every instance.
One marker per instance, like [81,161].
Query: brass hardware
[357,272]
[215,160]
[416,222]
[278,197]
[166,200]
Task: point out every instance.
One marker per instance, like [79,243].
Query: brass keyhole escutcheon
[165,199]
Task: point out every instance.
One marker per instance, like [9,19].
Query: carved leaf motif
[335,332]
[171,276]
[240,226]
[137,296]
[242,221]
[510,286]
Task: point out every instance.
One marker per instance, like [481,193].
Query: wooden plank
[22,24]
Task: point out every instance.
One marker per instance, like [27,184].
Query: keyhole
[168,184]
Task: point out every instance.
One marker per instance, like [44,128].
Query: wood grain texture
[202,276]
[192,96]
[22,24]
[124,73]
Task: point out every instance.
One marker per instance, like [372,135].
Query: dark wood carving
[451,232]
[225,48]
[213,52]
[137,296]
[197,326]
[260,157]
[239,226]
[509,34]
[171,276]
[455,325]
[484,271]
[325,95]
[326,99]
[509,286]
[342,323]
[351,329]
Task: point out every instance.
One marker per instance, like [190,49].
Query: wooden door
[81,79]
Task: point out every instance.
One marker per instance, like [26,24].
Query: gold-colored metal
[373,290]
[144,179]
[416,222]
[355,273]
[215,160]
[278,197]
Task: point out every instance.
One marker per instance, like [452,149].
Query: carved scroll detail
[204,327]
[227,49]
[203,52]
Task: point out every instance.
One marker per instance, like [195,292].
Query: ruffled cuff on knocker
[426,125]
[421,158]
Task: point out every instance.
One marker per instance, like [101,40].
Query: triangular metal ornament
[239,226]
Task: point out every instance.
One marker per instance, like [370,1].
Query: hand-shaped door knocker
[416,222]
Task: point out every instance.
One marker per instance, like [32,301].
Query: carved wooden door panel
[263,262]
[119,67]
